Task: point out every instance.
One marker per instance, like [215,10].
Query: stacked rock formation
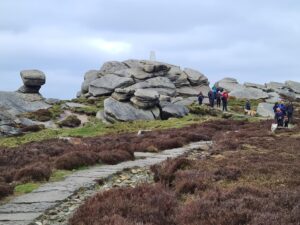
[142,89]
[32,80]
[26,99]
[270,92]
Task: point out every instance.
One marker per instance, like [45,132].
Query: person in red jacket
[224,100]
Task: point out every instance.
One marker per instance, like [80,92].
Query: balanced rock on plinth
[32,81]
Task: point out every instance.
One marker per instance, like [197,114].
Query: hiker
[200,98]
[275,107]
[248,105]
[282,107]
[218,97]
[290,112]
[211,98]
[279,116]
[225,100]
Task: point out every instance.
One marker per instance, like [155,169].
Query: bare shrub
[115,157]
[140,205]
[5,190]
[34,172]
[165,172]
[73,160]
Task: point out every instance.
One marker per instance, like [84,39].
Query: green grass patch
[26,188]
[97,102]
[238,105]
[59,175]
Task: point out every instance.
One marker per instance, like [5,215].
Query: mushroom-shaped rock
[33,77]
[32,80]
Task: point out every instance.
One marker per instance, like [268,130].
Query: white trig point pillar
[152,56]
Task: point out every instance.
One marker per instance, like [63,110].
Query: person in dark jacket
[248,105]
[224,100]
[200,98]
[290,112]
[279,116]
[275,107]
[211,97]
[218,97]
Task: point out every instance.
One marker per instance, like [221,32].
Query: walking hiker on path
[200,98]
[290,112]
[225,100]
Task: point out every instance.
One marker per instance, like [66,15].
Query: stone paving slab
[14,222]
[35,197]
[26,208]
[18,216]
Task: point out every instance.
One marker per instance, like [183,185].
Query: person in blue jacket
[282,107]
[275,107]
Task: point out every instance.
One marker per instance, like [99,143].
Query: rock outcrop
[293,86]
[26,99]
[120,111]
[32,81]
[13,104]
[270,92]
[228,84]
[249,93]
[107,84]
[138,87]
[265,109]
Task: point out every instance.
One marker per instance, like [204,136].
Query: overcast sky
[251,40]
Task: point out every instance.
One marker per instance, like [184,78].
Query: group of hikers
[283,113]
[215,95]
